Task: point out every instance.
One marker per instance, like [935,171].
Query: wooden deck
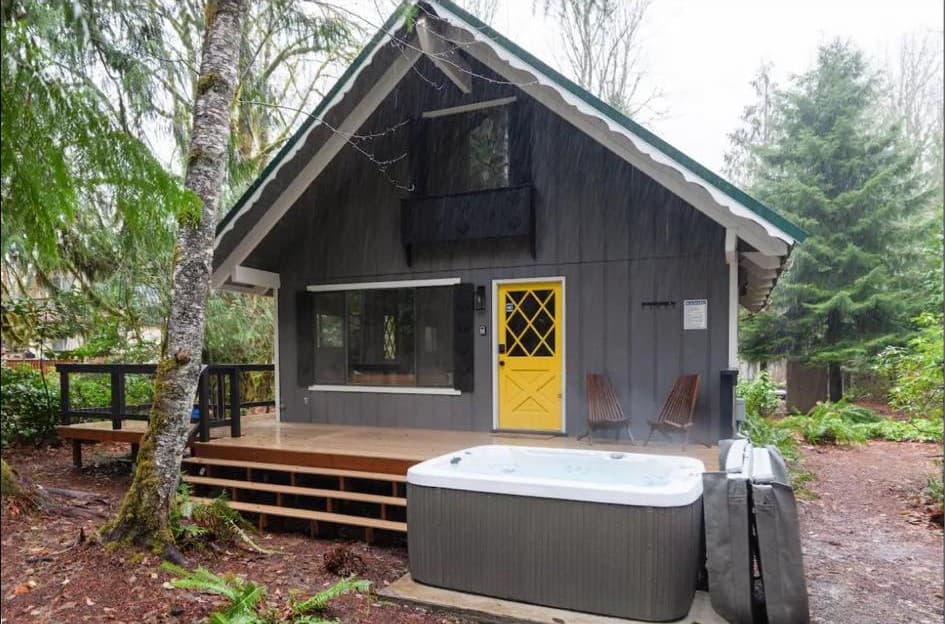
[376,449]
[331,475]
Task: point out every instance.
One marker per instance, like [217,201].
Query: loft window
[466,150]
[385,337]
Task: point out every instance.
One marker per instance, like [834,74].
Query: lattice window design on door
[530,323]
[390,338]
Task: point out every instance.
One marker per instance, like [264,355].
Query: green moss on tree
[208,81]
[9,485]
[142,520]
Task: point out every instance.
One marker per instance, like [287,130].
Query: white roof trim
[772,242]
[736,208]
[300,142]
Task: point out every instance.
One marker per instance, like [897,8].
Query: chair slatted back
[602,404]
[681,402]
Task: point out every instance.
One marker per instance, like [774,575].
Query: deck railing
[222,393]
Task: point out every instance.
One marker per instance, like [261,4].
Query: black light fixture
[479,301]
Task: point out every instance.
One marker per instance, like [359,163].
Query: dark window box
[494,213]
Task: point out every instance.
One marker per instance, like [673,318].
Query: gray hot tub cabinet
[618,560]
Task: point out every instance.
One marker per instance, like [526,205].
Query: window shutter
[305,336]
[463,357]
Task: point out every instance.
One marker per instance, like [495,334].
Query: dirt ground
[871,555]
[48,579]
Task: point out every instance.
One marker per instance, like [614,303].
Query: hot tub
[616,534]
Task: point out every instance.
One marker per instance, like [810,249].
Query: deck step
[331,472]
[296,490]
[318,516]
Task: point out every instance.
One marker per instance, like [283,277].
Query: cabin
[458,235]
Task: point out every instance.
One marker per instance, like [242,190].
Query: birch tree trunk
[143,519]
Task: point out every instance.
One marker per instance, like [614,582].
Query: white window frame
[417,283]
[493,349]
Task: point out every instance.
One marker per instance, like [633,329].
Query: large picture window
[385,337]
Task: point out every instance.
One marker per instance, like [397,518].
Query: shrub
[246,600]
[829,423]
[918,386]
[763,432]
[29,408]
[759,395]
[915,430]
[95,390]
[195,524]
[843,423]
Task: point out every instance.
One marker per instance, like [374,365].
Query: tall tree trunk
[834,382]
[143,519]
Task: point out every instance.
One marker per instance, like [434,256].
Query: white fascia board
[246,290]
[249,276]
[466,108]
[320,160]
[417,283]
[443,55]
[385,389]
[535,83]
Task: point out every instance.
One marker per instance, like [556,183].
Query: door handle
[501,362]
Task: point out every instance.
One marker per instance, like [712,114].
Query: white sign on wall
[695,313]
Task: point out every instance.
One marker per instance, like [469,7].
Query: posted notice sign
[695,313]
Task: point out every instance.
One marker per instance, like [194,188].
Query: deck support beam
[77,453]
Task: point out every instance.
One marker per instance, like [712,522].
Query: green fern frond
[320,601]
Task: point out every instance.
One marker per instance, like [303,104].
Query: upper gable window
[465,150]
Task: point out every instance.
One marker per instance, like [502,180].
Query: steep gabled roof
[747,219]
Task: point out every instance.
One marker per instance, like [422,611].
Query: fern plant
[247,600]
[319,602]
[193,524]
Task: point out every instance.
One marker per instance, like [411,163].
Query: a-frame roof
[769,235]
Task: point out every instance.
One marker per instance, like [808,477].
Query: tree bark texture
[143,519]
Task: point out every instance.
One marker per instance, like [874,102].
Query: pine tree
[851,182]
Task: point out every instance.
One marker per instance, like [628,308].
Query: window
[385,337]
[466,151]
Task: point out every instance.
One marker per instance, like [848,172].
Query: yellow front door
[530,356]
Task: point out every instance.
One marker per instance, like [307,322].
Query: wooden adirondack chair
[603,408]
[676,415]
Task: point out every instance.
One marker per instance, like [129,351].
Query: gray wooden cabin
[458,235]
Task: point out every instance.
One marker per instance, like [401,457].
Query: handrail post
[118,397]
[203,392]
[235,399]
[64,407]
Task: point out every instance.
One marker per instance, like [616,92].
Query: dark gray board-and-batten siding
[617,237]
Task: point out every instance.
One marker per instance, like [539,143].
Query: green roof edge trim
[702,171]
[708,175]
[312,117]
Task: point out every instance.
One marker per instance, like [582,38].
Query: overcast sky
[702,54]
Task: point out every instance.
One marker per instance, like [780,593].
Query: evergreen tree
[850,181]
